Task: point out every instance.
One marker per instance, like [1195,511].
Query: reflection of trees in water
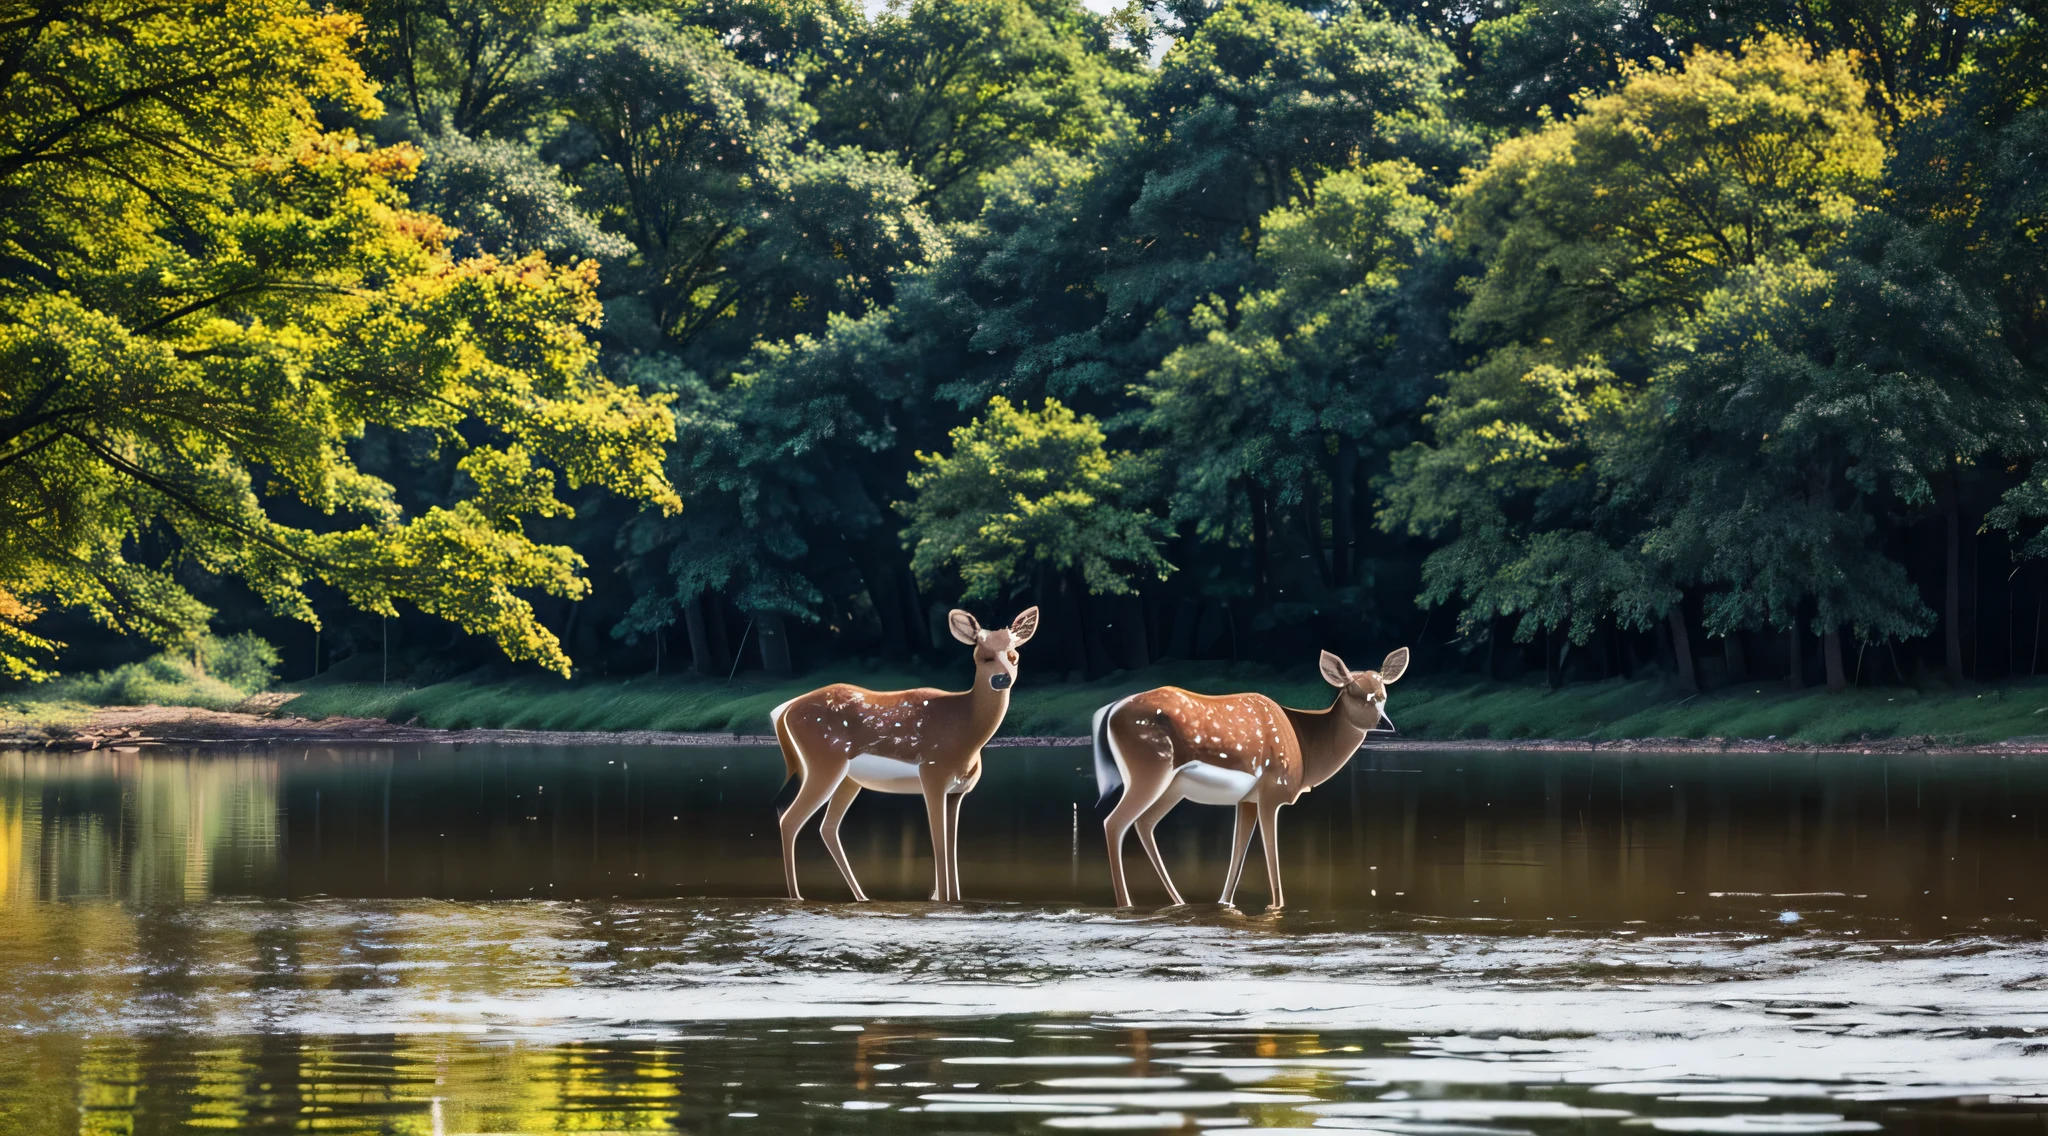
[343,1085]
[1502,834]
[141,829]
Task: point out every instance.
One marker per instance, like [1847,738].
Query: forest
[1590,338]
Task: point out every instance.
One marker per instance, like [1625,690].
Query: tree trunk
[772,629]
[1312,527]
[1795,677]
[1343,532]
[1130,625]
[878,575]
[1075,627]
[1731,649]
[1681,648]
[1186,615]
[917,622]
[702,661]
[1952,588]
[1257,499]
[1099,614]
[721,643]
[1553,658]
[1831,654]
[1973,609]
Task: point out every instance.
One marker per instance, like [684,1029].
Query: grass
[686,703]
[30,720]
[1442,708]
[165,680]
[1645,709]
[244,661]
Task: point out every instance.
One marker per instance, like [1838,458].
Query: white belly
[1207,784]
[884,774]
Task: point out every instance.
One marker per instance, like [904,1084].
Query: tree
[789,468]
[210,296]
[1029,499]
[1601,234]
[501,198]
[1284,398]
[468,67]
[744,230]
[955,89]
[1759,455]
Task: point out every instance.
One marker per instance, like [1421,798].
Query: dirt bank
[262,721]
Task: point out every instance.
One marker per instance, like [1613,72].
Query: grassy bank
[235,668]
[1424,708]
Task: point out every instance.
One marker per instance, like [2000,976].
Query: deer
[1170,745]
[840,739]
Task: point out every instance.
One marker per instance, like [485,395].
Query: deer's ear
[964,627]
[1395,666]
[1024,627]
[1334,671]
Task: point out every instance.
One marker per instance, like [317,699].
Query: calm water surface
[530,939]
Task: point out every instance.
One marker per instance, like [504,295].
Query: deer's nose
[999,681]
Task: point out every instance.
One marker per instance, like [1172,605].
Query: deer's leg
[935,813]
[810,796]
[958,798]
[1150,818]
[953,842]
[842,799]
[1240,841]
[1140,791]
[1269,835]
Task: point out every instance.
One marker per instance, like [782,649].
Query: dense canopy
[1594,337]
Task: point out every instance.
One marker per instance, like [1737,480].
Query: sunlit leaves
[1026,492]
[244,295]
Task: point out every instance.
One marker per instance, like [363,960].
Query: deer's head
[995,652]
[1362,695]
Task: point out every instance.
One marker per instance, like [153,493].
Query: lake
[493,939]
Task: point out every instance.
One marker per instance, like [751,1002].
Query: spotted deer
[841,739]
[1168,745]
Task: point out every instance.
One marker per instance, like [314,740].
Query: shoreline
[130,728]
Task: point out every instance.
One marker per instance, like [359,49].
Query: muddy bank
[264,720]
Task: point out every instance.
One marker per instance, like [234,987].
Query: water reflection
[1010,1075]
[1524,836]
[121,826]
[504,939]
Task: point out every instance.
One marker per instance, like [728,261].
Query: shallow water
[525,939]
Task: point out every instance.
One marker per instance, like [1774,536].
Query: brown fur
[939,733]
[1281,752]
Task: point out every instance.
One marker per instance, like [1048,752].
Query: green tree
[789,467]
[469,67]
[955,89]
[1601,234]
[211,296]
[743,229]
[1283,400]
[1027,499]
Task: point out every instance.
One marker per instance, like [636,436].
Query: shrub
[246,662]
[236,667]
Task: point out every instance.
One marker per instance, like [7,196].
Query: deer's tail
[790,765]
[1109,779]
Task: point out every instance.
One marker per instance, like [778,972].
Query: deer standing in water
[1168,745]
[841,739]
